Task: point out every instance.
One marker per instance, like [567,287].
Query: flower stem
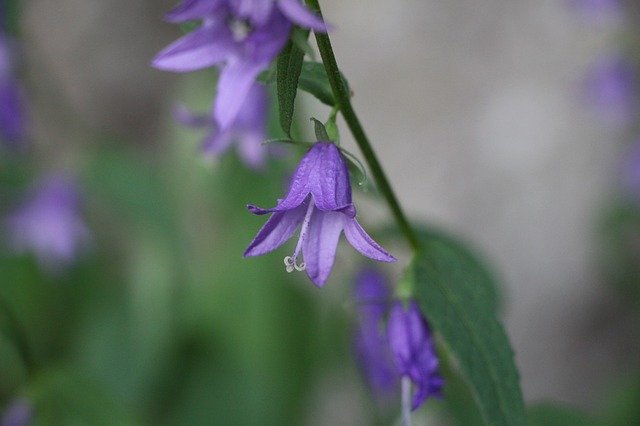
[350,117]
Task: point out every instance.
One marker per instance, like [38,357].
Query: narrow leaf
[459,304]
[289,66]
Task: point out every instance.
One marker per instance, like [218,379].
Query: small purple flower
[241,36]
[414,351]
[319,198]
[610,88]
[12,114]
[248,130]
[48,224]
[371,346]
[19,412]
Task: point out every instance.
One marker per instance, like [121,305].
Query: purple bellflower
[12,114]
[248,130]
[48,224]
[414,351]
[610,88]
[371,346]
[242,37]
[319,198]
[19,412]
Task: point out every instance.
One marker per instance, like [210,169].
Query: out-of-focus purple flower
[371,346]
[610,88]
[18,412]
[12,114]
[248,130]
[48,223]
[241,36]
[414,351]
[319,198]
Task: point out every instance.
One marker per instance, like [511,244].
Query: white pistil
[290,262]
[406,401]
[239,29]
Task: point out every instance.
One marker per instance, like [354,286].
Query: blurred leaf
[458,301]
[622,402]
[552,414]
[314,80]
[289,66]
[10,13]
[64,397]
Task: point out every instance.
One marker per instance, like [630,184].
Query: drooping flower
[610,88]
[48,223]
[248,130]
[414,351]
[319,198]
[242,37]
[371,346]
[18,412]
[12,114]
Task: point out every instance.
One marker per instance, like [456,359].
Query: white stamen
[239,29]
[406,401]
[290,262]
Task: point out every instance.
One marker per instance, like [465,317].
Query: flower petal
[234,85]
[300,15]
[190,10]
[186,117]
[362,242]
[320,244]
[278,229]
[202,48]
[256,11]
[329,179]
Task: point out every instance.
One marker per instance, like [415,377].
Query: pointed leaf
[289,66]
[459,304]
[314,80]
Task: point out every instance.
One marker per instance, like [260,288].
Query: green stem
[344,103]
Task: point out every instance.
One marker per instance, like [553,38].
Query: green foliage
[314,80]
[551,414]
[289,66]
[456,295]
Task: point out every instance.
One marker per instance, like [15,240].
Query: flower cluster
[405,349]
[241,38]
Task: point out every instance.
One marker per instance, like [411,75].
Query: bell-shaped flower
[247,131]
[372,295]
[241,36]
[49,224]
[414,351]
[319,199]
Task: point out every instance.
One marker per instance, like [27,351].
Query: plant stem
[350,117]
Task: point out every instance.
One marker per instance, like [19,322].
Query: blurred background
[512,124]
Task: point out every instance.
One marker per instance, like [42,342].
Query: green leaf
[289,66]
[314,80]
[459,303]
[547,414]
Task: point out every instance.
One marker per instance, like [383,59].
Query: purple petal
[362,242]
[297,13]
[186,117]
[251,149]
[234,85]
[374,359]
[13,129]
[372,294]
[216,143]
[319,247]
[190,10]
[18,412]
[256,11]
[329,179]
[202,48]
[278,229]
